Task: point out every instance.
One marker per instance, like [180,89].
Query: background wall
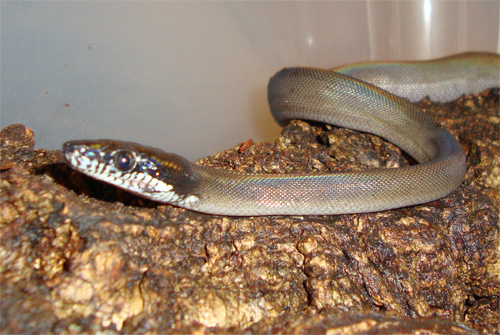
[191,77]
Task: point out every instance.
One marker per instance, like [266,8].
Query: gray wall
[190,77]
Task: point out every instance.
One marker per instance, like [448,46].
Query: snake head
[145,171]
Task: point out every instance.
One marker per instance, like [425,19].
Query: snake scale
[373,97]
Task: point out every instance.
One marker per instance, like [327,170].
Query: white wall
[190,77]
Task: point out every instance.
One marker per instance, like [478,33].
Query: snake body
[355,96]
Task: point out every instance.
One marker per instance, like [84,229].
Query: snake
[373,97]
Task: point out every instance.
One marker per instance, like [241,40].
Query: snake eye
[124,160]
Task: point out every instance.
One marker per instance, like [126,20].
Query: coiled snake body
[355,96]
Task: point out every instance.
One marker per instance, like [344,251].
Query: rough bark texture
[80,256]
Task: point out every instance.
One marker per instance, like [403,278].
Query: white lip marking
[147,179]
[94,165]
[107,169]
[102,169]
